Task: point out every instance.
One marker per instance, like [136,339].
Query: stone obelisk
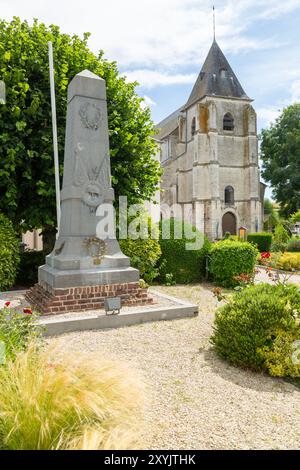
[84,268]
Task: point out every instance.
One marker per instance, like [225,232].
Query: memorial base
[50,301]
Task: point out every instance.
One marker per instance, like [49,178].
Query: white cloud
[268,114]
[151,78]
[148,102]
[155,33]
[295,91]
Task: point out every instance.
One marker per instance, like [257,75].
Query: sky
[162,44]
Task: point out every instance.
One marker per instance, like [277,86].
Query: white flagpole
[54,129]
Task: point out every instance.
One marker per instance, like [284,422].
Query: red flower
[265,255]
[27,311]
[7,304]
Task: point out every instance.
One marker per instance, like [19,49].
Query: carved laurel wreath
[90,115]
[96,248]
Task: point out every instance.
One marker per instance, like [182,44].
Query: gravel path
[195,400]
[292,278]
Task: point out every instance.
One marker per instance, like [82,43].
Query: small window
[229,195]
[223,73]
[193,128]
[228,122]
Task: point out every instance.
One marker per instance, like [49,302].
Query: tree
[268,207]
[280,154]
[271,214]
[27,190]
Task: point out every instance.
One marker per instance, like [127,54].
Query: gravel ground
[194,400]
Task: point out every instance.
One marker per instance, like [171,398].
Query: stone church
[209,154]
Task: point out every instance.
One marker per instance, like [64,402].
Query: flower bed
[283,261]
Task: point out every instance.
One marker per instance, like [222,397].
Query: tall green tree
[280,154]
[27,189]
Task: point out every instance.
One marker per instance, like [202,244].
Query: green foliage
[293,245]
[249,329]
[280,149]
[144,253]
[280,239]
[186,265]
[27,190]
[295,217]
[30,260]
[9,253]
[170,280]
[283,358]
[268,207]
[231,258]
[17,330]
[262,240]
[288,262]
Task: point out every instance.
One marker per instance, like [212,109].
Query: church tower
[209,153]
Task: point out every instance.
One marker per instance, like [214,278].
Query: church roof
[169,124]
[216,78]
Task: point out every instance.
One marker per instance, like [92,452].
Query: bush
[293,245]
[229,259]
[280,239]
[183,264]
[55,401]
[143,253]
[9,253]
[30,261]
[283,358]
[262,240]
[253,329]
[288,262]
[17,330]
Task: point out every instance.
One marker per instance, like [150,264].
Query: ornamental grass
[54,401]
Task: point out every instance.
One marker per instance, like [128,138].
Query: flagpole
[54,131]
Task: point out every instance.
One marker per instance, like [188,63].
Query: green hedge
[255,329]
[229,259]
[293,245]
[144,253]
[262,240]
[29,264]
[185,265]
[9,253]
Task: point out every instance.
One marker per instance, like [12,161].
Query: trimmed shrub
[229,259]
[293,245]
[262,240]
[283,358]
[281,239]
[289,262]
[143,253]
[250,328]
[185,265]
[54,401]
[30,260]
[9,253]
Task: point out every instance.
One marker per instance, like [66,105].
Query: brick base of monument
[50,301]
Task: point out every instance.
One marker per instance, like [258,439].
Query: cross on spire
[214,23]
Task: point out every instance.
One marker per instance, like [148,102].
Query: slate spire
[216,78]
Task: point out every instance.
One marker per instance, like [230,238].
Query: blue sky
[163,43]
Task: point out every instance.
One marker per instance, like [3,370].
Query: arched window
[223,73]
[229,195]
[193,127]
[228,122]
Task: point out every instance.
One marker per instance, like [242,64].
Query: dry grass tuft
[54,401]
